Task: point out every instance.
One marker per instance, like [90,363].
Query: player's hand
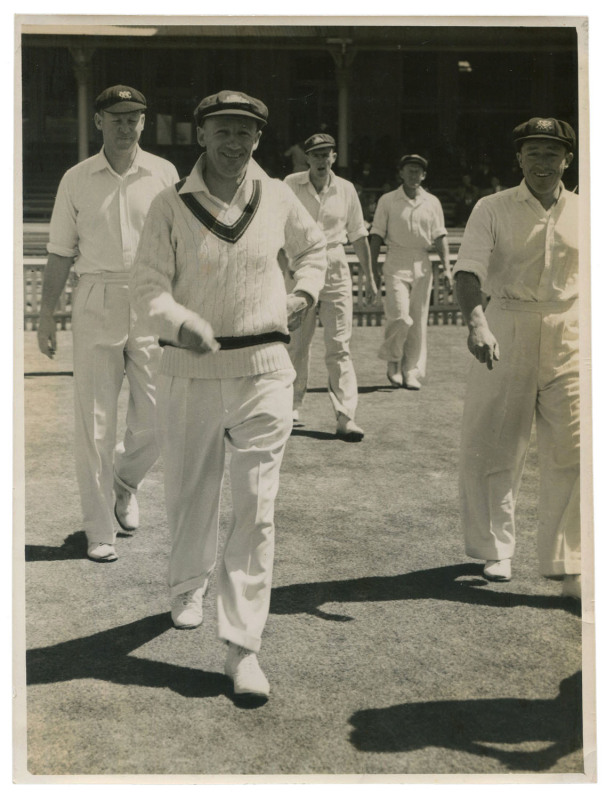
[370,291]
[197,335]
[296,308]
[483,345]
[378,279]
[449,279]
[47,335]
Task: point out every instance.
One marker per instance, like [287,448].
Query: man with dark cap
[521,249]
[97,219]
[207,277]
[410,221]
[334,204]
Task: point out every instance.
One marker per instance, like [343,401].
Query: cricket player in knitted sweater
[208,280]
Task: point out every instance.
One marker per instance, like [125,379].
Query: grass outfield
[386,650]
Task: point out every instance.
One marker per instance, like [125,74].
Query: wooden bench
[443,308]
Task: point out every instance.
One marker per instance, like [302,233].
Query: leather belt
[236,342]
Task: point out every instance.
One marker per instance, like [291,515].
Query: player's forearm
[443,249]
[469,298]
[375,249]
[362,251]
[56,273]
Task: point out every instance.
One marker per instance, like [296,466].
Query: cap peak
[231,102]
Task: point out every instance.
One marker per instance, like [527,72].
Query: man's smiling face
[543,162]
[230,141]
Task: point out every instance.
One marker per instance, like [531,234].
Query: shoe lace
[247,658]
[188,598]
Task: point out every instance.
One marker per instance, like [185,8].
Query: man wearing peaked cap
[235,103]
[97,219]
[410,221]
[521,248]
[414,159]
[319,140]
[334,204]
[119,99]
[550,128]
[207,277]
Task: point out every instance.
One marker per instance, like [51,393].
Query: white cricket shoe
[126,508]
[498,570]
[242,667]
[348,430]
[186,608]
[571,586]
[394,374]
[101,551]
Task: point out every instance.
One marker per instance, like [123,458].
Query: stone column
[82,68]
[448,96]
[343,58]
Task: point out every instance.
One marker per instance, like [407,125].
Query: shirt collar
[142,160]
[195,180]
[300,177]
[421,195]
[524,192]
[305,177]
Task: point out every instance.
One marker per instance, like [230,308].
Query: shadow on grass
[311,434]
[460,583]
[106,656]
[74,547]
[361,389]
[490,728]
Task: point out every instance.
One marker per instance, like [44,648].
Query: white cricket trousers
[199,420]
[335,310]
[406,305]
[538,372]
[108,343]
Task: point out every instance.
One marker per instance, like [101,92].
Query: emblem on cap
[120,99]
[234,98]
[545,128]
[230,102]
[319,140]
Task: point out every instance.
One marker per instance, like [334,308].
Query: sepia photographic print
[303,463]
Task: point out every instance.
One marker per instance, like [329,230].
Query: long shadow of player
[74,547]
[490,728]
[361,389]
[458,583]
[107,656]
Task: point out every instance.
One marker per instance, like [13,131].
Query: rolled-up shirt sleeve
[63,232]
[355,225]
[439,228]
[305,246]
[478,243]
[379,222]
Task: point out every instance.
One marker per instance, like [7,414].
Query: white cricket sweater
[183,271]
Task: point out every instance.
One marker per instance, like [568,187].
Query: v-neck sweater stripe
[183,271]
